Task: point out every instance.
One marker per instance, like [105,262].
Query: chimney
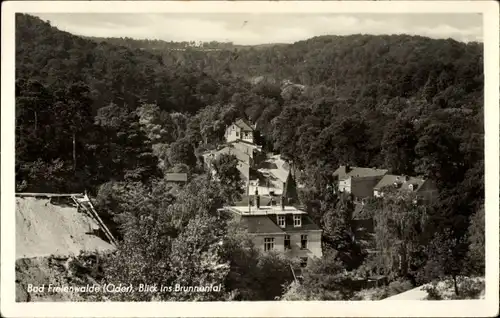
[257,198]
[282,203]
[249,204]
[407,178]
[347,168]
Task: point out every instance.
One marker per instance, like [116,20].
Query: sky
[251,29]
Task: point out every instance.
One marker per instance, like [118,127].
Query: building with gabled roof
[359,181]
[424,188]
[240,130]
[279,227]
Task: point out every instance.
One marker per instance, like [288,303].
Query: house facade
[240,130]
[425,189]
[358,181]
[277,227]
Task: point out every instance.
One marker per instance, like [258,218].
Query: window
[268,243]
[297,220]
[237,134]
[303,262]
[288,246]
[281,221]
[303,242]
[410,186]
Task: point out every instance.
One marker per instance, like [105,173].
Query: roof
[260,224]
[269,224]
[264,210]
[176,177]
[264,219]
[247,143]
[307,223]
[243,124]
[390,179]
[343,174]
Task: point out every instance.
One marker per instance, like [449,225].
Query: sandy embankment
[50,240]
[44,229]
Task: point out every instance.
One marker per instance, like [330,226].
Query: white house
[240,130]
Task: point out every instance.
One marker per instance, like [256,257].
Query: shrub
[432,292]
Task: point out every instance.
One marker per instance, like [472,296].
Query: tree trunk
[455,284]
[74,151]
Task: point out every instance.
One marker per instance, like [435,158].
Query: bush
[432,292]
[471,288]
[399,286]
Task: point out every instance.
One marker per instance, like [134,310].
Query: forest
[112,116]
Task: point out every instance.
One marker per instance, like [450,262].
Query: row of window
[269,242]
[297,221]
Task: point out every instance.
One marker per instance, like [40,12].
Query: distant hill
[161,45]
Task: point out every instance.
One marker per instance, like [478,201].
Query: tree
[476,240]
[438,155]
[243,257]
[398,147]
[273,274]
[446,258]
[196,258]
[400,227]
[324,279]
[227,173]
[182,152]
[143,256]
[124,152]
[338,232]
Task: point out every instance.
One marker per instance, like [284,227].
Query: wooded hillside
[91,113]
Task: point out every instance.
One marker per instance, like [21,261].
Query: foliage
[323,279]
[400,226]
[476,238]
[446,258]
[338,232]
[227,173]
[470,288]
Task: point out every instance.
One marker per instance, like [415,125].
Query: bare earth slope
[44,229]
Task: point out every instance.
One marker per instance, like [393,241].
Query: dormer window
[297,220]
[410,186]
[281,221]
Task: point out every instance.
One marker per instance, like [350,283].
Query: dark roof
[307,223]
[343,174]
[260,224]
[176,177]
[269,224]
[243,124]
[389,180]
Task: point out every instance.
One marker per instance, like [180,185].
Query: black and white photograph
[238,156]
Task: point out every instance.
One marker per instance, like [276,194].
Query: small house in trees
[240,130]
[277,226]
[176,177]
[425,189]
[358,181]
